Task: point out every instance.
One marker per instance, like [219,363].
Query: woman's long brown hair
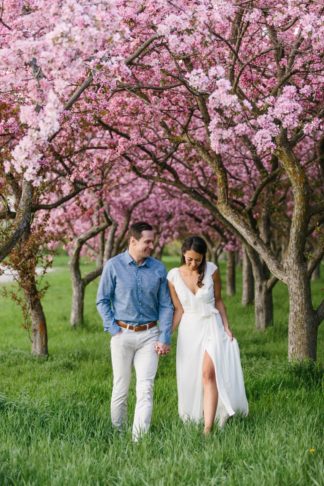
[197,244]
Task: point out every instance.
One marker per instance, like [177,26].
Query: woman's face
[193,259]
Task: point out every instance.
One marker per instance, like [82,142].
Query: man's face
[143,247]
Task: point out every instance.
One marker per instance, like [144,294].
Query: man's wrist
[164,339]
[114,329]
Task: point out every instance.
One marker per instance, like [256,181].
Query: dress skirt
[199,333]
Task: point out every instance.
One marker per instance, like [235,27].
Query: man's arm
[165,312]
[105,296]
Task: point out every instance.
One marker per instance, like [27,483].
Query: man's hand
[162,349]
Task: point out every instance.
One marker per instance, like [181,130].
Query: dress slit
[224,408]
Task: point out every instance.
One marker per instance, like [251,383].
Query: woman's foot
[207,430]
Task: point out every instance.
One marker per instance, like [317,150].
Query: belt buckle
[128,329]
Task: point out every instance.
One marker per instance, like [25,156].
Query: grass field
[54,414]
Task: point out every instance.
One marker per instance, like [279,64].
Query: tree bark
[77,307]
[263,285]
[263,303]
[247,280]
[100,256]
[38,321]
[303,325]
[230,273]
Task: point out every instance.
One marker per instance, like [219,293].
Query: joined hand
[162,349]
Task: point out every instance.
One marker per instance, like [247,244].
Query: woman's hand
[162,349]
[229,333]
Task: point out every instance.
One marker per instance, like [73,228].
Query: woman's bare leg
[210,392]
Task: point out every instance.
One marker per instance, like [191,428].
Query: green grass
[54,414]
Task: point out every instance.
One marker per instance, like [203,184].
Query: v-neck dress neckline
[184,283]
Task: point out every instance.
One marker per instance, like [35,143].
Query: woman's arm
[219,304]
[178,309]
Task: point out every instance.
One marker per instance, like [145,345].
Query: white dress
[201,329]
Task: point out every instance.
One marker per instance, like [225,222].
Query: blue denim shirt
[135,294]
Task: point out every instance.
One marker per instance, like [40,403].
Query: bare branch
[59,202]
[271,177]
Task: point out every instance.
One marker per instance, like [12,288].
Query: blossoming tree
[238,84]
[221,99]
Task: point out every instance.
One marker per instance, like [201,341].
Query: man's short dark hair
[136,229]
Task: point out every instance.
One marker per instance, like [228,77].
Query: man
[132,296]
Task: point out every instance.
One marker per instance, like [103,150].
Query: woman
[209,374]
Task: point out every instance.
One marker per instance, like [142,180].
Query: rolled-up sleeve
[104,300]
[165,311]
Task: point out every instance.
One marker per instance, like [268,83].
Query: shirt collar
[129,260]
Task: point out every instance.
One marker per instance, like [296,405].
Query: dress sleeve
[211,268]
[171,275]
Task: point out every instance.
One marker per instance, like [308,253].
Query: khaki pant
[130,348]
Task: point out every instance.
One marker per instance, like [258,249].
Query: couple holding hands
[141,304]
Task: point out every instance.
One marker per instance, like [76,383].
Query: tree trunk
[302,326]
[158,252]
[78,283]
[263,285]
[230,273]
[101,252]
[263,304]
[214,249]
[77,306]
[38,321]
[214,254]
[247,280]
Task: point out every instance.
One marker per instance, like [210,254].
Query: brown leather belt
[140,327]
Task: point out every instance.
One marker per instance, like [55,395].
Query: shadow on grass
[291,377]
[307,373]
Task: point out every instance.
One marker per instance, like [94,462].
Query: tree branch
[316,260]
[23,220]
